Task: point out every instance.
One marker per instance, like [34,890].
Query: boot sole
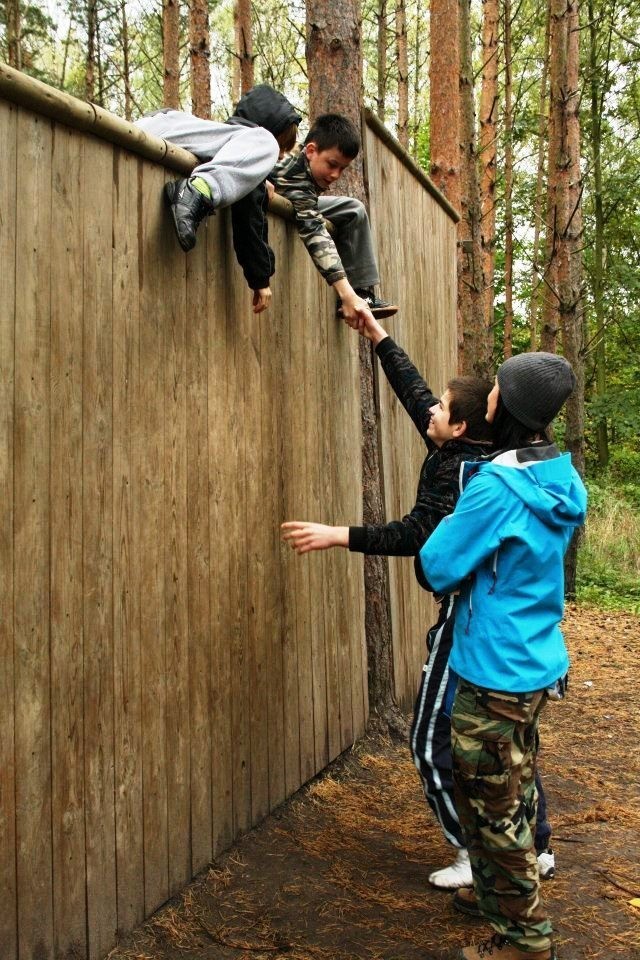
[169,194]
[380,313]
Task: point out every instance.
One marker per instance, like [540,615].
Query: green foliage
[609,556]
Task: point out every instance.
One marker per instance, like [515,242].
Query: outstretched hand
[303,536]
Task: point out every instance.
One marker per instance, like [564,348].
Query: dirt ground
[340,871]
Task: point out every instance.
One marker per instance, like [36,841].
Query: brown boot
[465,901]
[499,948]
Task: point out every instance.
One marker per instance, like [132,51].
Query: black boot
[379,308]
[188,208]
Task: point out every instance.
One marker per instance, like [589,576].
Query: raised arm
[404,378]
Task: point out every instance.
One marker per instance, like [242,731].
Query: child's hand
[261,299]
[270,190]
[304,536]
[356,313]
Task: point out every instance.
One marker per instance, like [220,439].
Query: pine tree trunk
[90,63]
[543,127]
[243,28]
[381,99]
[602,438]
[199,53]
[488,139]
[334,64]
[417,78]
[475,355]
[402,60]
[171,52]
[444,106]
[508,186]
[567,217]
[334,68]
[557,267]
[126,60]
[14,34]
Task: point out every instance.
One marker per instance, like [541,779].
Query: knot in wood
[335,44]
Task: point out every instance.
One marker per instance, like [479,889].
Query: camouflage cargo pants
[493,739]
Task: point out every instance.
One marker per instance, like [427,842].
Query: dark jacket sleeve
[436,498]
[251,238]
[410,388]
[400,538]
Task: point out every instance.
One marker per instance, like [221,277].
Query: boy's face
[326,165]
[439,429]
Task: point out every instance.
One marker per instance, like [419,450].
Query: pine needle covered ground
[339,872]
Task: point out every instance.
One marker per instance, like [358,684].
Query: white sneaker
[458,874]
[546,864]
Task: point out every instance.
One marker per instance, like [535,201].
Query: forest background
[131,57]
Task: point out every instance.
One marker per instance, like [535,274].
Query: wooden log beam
[50,102]
[405,157]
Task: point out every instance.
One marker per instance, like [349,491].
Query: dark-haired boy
[347,260]
[454,430]
[236,157]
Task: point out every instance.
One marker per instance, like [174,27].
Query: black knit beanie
[533,387]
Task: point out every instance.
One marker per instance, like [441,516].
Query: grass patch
[609,557]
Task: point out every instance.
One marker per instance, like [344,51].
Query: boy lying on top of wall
[238,156]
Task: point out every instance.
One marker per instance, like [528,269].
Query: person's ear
[459,429]
[310,150]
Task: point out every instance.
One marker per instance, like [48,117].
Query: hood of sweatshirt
[265,107]
[543,479]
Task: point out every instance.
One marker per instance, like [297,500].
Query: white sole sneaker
[457,874]
[546,864]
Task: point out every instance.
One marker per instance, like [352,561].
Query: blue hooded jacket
[503,548]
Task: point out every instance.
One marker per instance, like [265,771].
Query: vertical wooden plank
[302,452]
[198,568]
[272,469]
[255,539]
[126,541]
[289,445]
[175,547]
[97,495]
[67,707]
[240,591]
[313,331]
[32,532]
[351,436]
[331,589]
[154,229]
[223,507]
[8,174]
[337,464]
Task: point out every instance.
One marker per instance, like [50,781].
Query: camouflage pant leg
[493,739]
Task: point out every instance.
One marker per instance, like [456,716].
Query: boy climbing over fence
[236,158]
[347,260]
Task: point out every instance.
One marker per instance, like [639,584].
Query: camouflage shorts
[494,739]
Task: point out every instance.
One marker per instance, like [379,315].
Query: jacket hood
[267,108]
[543,479]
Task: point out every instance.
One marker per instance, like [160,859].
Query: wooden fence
[169,672]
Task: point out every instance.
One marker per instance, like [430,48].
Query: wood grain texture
[171,670]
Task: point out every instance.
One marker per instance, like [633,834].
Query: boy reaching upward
[455,431]
[347,260]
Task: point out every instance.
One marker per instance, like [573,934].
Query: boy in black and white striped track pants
[454,430]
